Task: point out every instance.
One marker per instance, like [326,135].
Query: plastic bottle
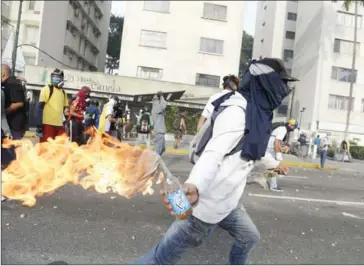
[177,198]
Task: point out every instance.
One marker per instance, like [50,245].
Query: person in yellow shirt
[52,101]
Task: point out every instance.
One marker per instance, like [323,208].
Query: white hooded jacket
[221,180]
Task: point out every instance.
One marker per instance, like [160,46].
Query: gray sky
[250,9]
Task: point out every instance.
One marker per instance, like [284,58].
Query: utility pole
[15,46]
[292,103]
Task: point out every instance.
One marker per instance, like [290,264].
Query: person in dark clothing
[92,117]
[77,109]
[15,103]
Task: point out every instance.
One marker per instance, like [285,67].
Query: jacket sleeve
[159,105]
[225,137]
[4,122]
[43,98]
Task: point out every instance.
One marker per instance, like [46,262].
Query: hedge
[357,152]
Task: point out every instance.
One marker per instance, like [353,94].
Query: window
[207,80]
[262,40]
[291,16]
[213,11]
[348,19]
[29,60]
[31,5]
[149,72]
[153,39]
[282,109]
[290,35]
[362,105]
[265,7]
[263,24]
[31,34]
[340,102]
[157,6]
[211,46]
[345,47]
[287,54]
[343,74]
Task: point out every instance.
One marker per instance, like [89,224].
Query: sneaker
[277,189]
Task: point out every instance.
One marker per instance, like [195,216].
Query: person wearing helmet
[76,117]
[279,134]
[230,83]
[52,101]
[179,126]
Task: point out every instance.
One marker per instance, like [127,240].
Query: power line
[31,45]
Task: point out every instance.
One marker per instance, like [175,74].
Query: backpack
[177,124]
[203,136]
[277,125]
[51,89]
[144,126]
[317,141]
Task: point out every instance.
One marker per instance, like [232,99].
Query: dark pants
[76,133]
[323,156]
[52,132]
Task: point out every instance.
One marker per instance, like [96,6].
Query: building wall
[184,25]
[46,25]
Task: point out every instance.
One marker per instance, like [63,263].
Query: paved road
[84,227]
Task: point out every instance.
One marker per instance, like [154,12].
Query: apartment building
[190,42]
[321,58]
[75,33]
[6,26]
[275,28]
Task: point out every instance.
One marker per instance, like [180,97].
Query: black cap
[278,66]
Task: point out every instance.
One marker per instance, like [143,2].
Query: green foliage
[331,152]
[114,42]
[354,142]
[246,52]
[357,152]
[191,118]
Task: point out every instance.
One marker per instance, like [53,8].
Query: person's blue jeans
[17,134]
[190,233]
[323,156]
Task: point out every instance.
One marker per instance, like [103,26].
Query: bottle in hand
[172,189]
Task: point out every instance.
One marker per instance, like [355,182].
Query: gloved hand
[39,131]
[279,156]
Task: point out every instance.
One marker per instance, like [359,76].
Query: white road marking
[338,202]
[351,215]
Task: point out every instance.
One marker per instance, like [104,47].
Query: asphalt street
[318,219]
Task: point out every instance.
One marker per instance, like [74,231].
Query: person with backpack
[92,117]
[16,105]
[325,143]
[76,117]
[50,109]
[144,127]
[316,144]
[230,83]
[346,150]
[179,126]
[280,131]
[235,139]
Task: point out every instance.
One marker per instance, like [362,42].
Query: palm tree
[347,4]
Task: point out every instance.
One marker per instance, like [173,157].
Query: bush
[331,152]
[191,118]
[357,152]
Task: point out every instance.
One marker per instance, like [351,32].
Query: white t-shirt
[109,111]
[209,108]
[278,133]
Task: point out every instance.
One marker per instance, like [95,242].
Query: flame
[104,163]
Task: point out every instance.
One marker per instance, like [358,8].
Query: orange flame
[105,164]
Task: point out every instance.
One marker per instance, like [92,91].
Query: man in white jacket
[216,184]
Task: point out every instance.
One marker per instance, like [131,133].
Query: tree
[246,52]
[347,4]
[114,43]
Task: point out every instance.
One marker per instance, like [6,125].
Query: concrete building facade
[189,42]
[321,58]
[72,32]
